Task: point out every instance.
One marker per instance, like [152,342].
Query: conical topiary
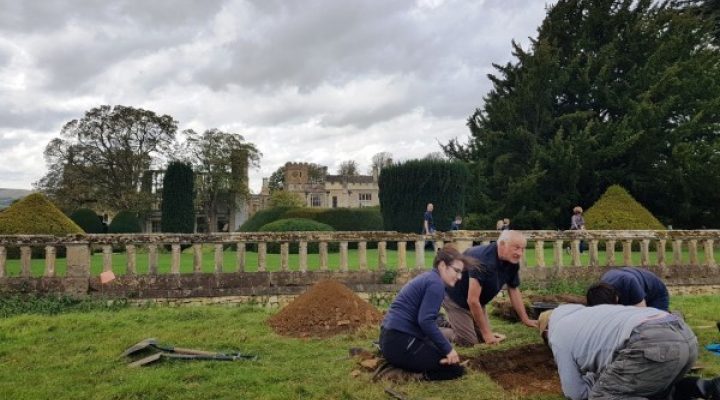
[617,209]
[36,215]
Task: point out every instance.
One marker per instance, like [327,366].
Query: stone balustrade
[657,250]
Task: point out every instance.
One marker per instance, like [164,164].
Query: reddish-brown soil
[504,310]
[525,370]
[328,308]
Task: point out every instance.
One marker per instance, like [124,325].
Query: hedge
[86,219]
[407,188]
[125,222]
[177,208]
[297,225]
[35,215]
[617,209]
[340,219]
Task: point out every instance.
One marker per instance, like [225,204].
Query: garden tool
[217,357]
[151,343]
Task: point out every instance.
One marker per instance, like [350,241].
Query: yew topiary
[36,215]
[618,210]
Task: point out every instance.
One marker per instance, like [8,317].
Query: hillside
[7,196]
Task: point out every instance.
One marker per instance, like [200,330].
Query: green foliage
[617,209]
[86,219]
[101,157]
[297,225]
[342,219]
[36,215]
[407,188]
[178,211]
[610,92]
[282,198]
[262,217]
[125,222]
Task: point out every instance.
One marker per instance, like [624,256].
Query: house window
[334,201]
[365,196]
[315,200]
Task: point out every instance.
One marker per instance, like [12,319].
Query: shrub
[617,209]
[178,211]
[125,222]
[35,215]
[86,219]
[342,219]
[407,188]
[297,225]
[262,217]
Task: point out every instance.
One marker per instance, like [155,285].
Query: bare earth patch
[525,370]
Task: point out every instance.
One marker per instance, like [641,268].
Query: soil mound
[327,309]
[503,309]
[525,370]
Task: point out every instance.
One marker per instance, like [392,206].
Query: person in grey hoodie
[623,352]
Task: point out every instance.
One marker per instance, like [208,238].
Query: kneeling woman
[410,338]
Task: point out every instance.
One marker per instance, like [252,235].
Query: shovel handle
[182,350]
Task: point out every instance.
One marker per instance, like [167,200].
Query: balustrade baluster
[107,258]
[558,254]
[382,256]
[219,258]
[262,255]
[323,256]
[3,259]
[610,253]
[50,255]
[485,242]
[197,258]
[709,253]
[344,256]
[402,256]
[175,259]
[241,256]
[645,252]
[152,259]
[540,253]
[661,253]
[692,249]
[25,261]
[284,256]
[362,256]
[677,252]
[420,254]
[576,253]
[593,250]
[303,256]
[627,252]
[131,260]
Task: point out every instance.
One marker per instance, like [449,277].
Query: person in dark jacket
[410,338]
[630,286]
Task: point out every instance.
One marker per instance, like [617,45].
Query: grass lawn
[119,261]
[75,355]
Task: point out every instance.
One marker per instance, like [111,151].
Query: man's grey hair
[507,235]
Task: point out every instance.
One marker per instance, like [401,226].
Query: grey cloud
[35,120]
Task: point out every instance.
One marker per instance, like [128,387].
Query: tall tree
[348,168]
[101,157]
[221,161]
[611,92]
[380,161]
[178,195]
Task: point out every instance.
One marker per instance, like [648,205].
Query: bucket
[539,307]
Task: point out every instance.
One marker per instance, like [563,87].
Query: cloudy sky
[321,81]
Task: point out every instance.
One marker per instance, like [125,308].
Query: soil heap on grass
[327,309]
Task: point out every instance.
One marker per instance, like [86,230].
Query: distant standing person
[499,225]
[455,226]
[630,286]
[506,224]
[428,224]
[410,338]
[577,223]
[465,302]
